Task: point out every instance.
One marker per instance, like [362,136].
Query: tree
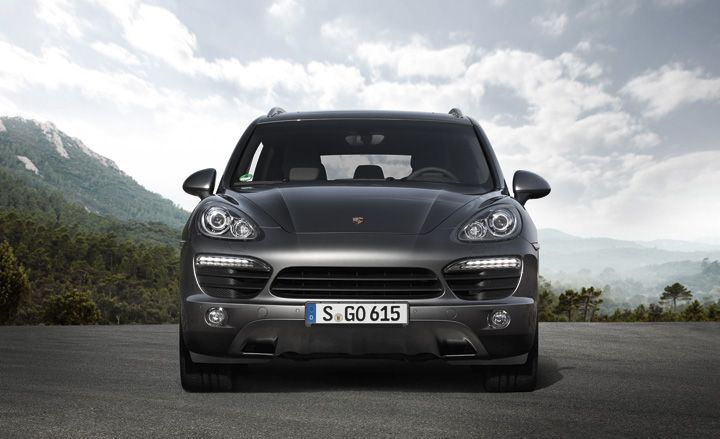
[71,308]
[567,302]
[655,313]
[14,284]
[621,315]
[61,257]
[694,312]
[713,312]
[640,314]
[588,301]
[675,292]
[546,300]
[545,304]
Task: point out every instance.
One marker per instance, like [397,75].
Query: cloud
[339,31]
[669,197]
[157,32]
[601,9]
[168,125]
[552,24]
[8,107]
[272,81]
[61,15]
[287,12]
[653,197]
[576,133]
[53,69]
[672,3]
[567,121]
[415,59]
[555,89]
[586,46]
[418,96]
[115,53]
[670,87]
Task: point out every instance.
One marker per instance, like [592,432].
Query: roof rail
[456,112]
[274,111]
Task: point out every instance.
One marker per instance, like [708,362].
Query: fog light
[499,319]
[215,317]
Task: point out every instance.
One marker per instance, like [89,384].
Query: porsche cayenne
[360,235]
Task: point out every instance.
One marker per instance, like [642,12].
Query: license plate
[356,313]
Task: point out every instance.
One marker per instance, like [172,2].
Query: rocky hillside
[43,156]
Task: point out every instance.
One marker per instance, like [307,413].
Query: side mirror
[201,183]
[527,185]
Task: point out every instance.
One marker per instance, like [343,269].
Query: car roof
[367,115]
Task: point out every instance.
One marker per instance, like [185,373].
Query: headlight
[494,224]
[220,222]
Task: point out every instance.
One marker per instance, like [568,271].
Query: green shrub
[72,308]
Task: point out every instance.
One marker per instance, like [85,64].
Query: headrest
[303,174]
[374,172]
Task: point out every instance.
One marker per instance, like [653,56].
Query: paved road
[596,380]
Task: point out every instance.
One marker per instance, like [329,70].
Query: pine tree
[588,301]
[675,292]
[640,314]
[713,312]
[545,303]
[14,284]
[655,313]
[694,312]
[567,302]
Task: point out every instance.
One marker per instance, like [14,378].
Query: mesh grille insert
[484,284]
[231,283]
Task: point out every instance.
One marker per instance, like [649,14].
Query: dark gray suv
[360,235]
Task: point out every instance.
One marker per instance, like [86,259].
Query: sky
[615,103]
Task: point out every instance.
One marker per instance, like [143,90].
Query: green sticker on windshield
[246,177]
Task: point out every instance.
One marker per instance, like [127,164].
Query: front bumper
[444,327]
[261,332]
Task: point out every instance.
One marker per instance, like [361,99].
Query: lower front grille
[493,283]
[358,283]
[231,283]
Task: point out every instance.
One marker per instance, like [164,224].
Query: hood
[355,209]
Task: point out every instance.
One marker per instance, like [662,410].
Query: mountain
[94,245]
[630,272]
[44,157]
[684,246]
[31,199]
[77,223]
[562,252]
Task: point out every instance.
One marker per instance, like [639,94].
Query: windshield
[376,151]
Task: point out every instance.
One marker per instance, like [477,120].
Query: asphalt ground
[595,380]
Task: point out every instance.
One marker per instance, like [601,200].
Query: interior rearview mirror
[527,185]
[201,183]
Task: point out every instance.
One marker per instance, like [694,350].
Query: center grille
[357,283]
[231,283]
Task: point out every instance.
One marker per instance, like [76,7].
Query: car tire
[196,377]
[520,378]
